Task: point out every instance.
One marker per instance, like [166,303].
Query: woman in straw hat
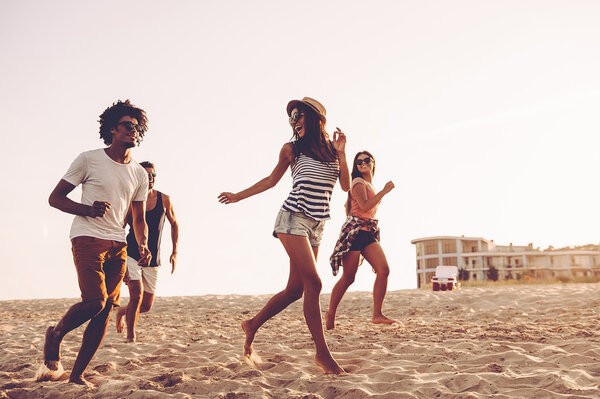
[316,163]
[360,237]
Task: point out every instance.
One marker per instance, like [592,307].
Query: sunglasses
[131,126]
[366,160]
[294,118]
[153,174]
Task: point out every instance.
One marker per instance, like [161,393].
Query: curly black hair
[111,115]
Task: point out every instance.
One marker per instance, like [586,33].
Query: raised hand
[98,209]
[339,140]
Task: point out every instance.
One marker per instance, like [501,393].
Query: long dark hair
[315,143]
[356,173]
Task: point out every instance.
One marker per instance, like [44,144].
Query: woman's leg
[303,261]
[350,267]
[303,280]
[373,253]
[292,292]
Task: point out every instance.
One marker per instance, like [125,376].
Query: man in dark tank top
[142,280]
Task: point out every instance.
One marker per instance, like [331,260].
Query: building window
[432,263]
[419,249]
[449,246]
[431,247]
[450,261]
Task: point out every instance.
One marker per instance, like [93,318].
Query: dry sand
[538,341]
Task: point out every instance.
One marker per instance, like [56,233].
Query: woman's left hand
[339,140]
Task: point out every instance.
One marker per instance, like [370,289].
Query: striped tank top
[312,187]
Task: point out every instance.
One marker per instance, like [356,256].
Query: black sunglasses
[294,118]
[153,174]
[131,126]
[366,160]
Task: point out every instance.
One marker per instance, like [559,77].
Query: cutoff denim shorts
[298,224]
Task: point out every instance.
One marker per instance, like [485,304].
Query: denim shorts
[298,224]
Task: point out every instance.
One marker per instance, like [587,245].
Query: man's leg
[128,313]
[92,338]
[75,316]
[147,302]
[133,307]
[149,280]
[88,254]
[114,267]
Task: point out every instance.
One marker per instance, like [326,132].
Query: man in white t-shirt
[111,181]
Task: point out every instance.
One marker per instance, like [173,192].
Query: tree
[463,275]
[492,273]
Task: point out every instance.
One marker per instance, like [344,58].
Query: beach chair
[445,278]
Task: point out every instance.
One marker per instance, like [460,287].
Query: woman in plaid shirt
[360,237]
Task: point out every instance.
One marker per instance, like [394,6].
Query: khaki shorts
[148,275]
[100,268]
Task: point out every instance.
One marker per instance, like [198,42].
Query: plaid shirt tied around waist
[350,229]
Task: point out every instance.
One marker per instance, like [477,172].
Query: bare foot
[381,319]
[131,340]
[78,379]
[329,321]
[51,349]
[249,338]
[121,319]
[328,364]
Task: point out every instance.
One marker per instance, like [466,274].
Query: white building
[475,255]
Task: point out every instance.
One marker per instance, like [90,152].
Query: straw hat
[311,103]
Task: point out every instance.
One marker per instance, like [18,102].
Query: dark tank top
[155,219]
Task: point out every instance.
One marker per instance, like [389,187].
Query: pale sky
[485,114]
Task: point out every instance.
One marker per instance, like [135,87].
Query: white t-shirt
[103,179]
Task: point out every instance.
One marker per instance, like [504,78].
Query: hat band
[314,109]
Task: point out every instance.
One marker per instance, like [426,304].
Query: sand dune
[502,342]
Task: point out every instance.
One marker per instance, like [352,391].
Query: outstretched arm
[174,230]
[285,159]
[359,192]
[140,228]
[58,199]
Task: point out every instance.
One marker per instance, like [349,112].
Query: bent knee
[294,293]
[313,284]
[97,305]
[348,278]
[383,271]
[145,308]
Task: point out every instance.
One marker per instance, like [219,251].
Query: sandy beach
[537,341]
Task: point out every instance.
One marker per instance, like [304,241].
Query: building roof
[416,240]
